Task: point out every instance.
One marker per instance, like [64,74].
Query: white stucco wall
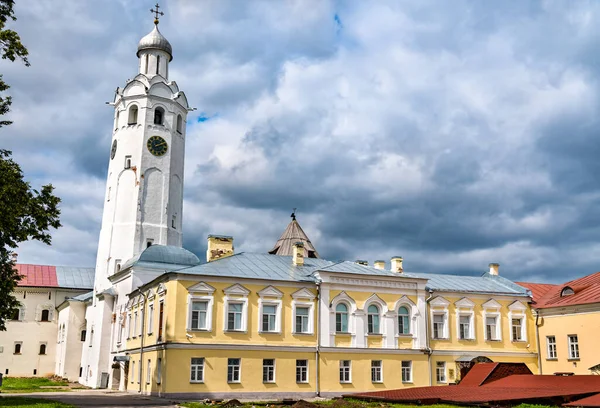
[71,323]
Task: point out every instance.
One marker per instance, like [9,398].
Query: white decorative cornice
[270,291]
[236,290]
[465,303]
[303,293]
[439,301]
[491,304]
[517,306]
[201,287]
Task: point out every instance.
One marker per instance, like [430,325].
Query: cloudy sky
[453,133]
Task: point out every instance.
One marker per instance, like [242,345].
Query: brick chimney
[219,246]
[298,254]
[494,269]
[379,264]
[14,256]
[397,264]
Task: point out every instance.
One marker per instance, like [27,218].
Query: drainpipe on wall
[318,331]
[141,363]
[429,351]
[537,339]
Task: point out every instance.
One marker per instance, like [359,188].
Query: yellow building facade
[264,326]
[567,321]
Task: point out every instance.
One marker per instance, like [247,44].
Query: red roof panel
[587,290]
[593,401]
[37,275]
[477,374]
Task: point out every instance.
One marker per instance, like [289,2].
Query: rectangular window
[120,328]
[551,347]
[158,370]
[573,346]
[440,371]
[301,371]
[376,374]
[128,326]
[234,316]
[148,371]
[464,327]
[345,371]
[268,370]
[132,371]
[197,370]
[269,314]
[161,309]
[199,310]
[141,322]
[139,373]
[491,328]
[233,370]
[135,323]
[517,329]
[406,371]
[438,326]
[302,319]
[127,162]
[150,318]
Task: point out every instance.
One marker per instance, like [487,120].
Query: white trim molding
[465,308]
[518,310]
[491,308]
[201,292]
[439,306]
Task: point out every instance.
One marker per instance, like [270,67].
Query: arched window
[157,64]
[117,120]
[341,318]
[45,315]
[16,314]
[133,115]
[42,349]
[83,333]
[179,124]
[373,319]
[567,291]
[17,348]
[158,116]
[403,320]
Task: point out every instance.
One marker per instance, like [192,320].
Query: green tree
[25,213]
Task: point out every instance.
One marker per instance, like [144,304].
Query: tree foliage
[12,49]
[25,213]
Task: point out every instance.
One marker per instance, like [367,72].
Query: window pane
[235,307]
[373,309]
[269,309]
[302,311]
[341,308]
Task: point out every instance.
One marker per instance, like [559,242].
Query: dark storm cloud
[452,134]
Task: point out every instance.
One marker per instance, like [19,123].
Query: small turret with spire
[292,235]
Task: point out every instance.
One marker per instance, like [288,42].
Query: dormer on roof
[293,234]
[567,291]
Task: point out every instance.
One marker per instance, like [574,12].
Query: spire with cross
[156,13]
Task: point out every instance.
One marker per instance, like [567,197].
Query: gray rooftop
[84,297]
[461,283]
[163,256]
[75,277]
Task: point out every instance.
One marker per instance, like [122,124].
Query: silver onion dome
[155,41]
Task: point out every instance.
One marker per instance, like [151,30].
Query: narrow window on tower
[149,243]
[173,221]
[108,197]
[146,68]
[127,162]
[133,115]
[157,64]
[179,124]
[158,116]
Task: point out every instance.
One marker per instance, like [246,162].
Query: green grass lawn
[348,403]
[31,402]
[33,384]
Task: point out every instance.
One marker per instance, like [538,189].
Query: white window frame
[195,371]
[273,371]
[377,372]
[150,323]
[135,323]
[443,366]
[345,372]
[343,297]
[239,371]
[491,308]
[236,294]
[408,369]
[142,317]
[261,304]
[465,308]
[439,306]
[574,353]
[201,292]
[158,370]
[517,310]
[149,372]
[303,370]
[128,325]
[139,373]
[304,298]
[551,350]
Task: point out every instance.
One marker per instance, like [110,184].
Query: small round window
[567,292]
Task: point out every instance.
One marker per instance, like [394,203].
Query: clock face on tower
[157,145]
[113,150]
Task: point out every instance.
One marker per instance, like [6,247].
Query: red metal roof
[537,289]
[37,275]
[509,389]
[587,290]
[593,401]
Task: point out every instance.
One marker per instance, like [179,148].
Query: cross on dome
[156,13]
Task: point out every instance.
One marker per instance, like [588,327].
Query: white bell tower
[144,189]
